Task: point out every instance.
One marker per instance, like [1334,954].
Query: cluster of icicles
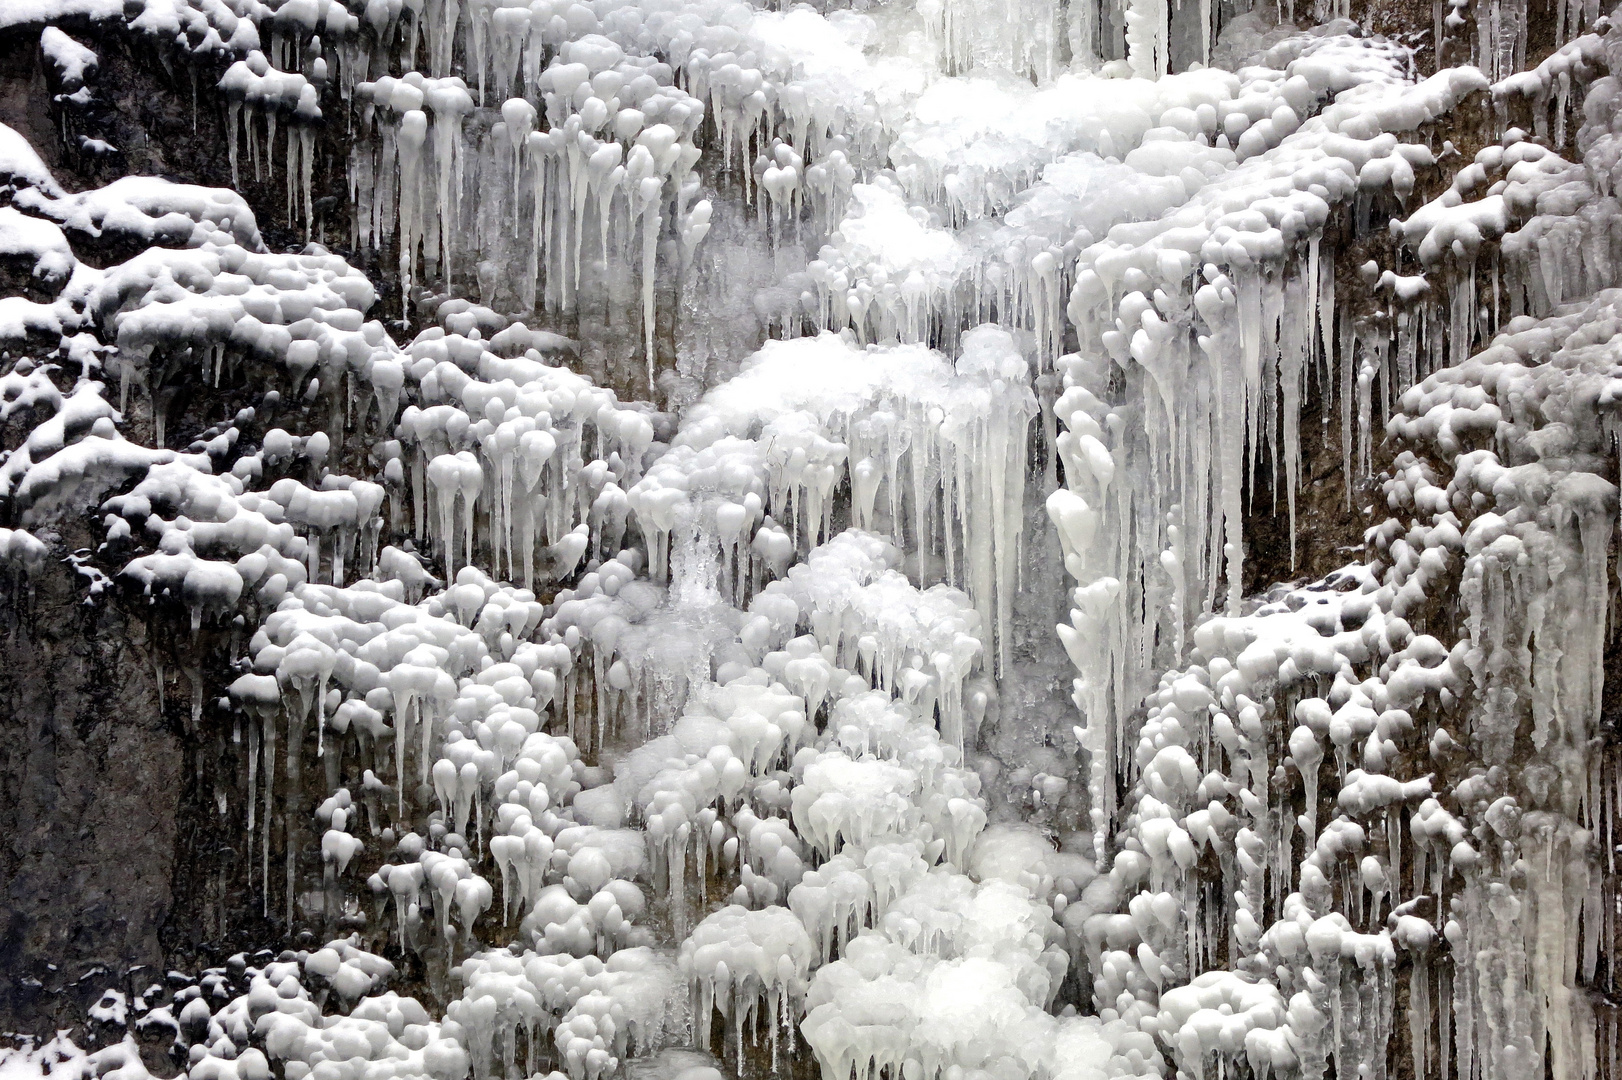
[806,765]
[818,759]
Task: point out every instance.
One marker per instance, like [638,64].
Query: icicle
[412,135]
[652,188]
[268,742]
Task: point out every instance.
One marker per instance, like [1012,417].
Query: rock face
[116,865]
[93,789]
[531,539]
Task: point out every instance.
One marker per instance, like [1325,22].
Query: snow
[27,1060]
[21,165]
[73,62]
[27,12]
[38,241]
[149,209]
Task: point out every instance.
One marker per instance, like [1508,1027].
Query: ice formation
[648,487]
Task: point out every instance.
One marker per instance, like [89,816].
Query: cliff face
[121,862]
[534,501]
[94,783]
